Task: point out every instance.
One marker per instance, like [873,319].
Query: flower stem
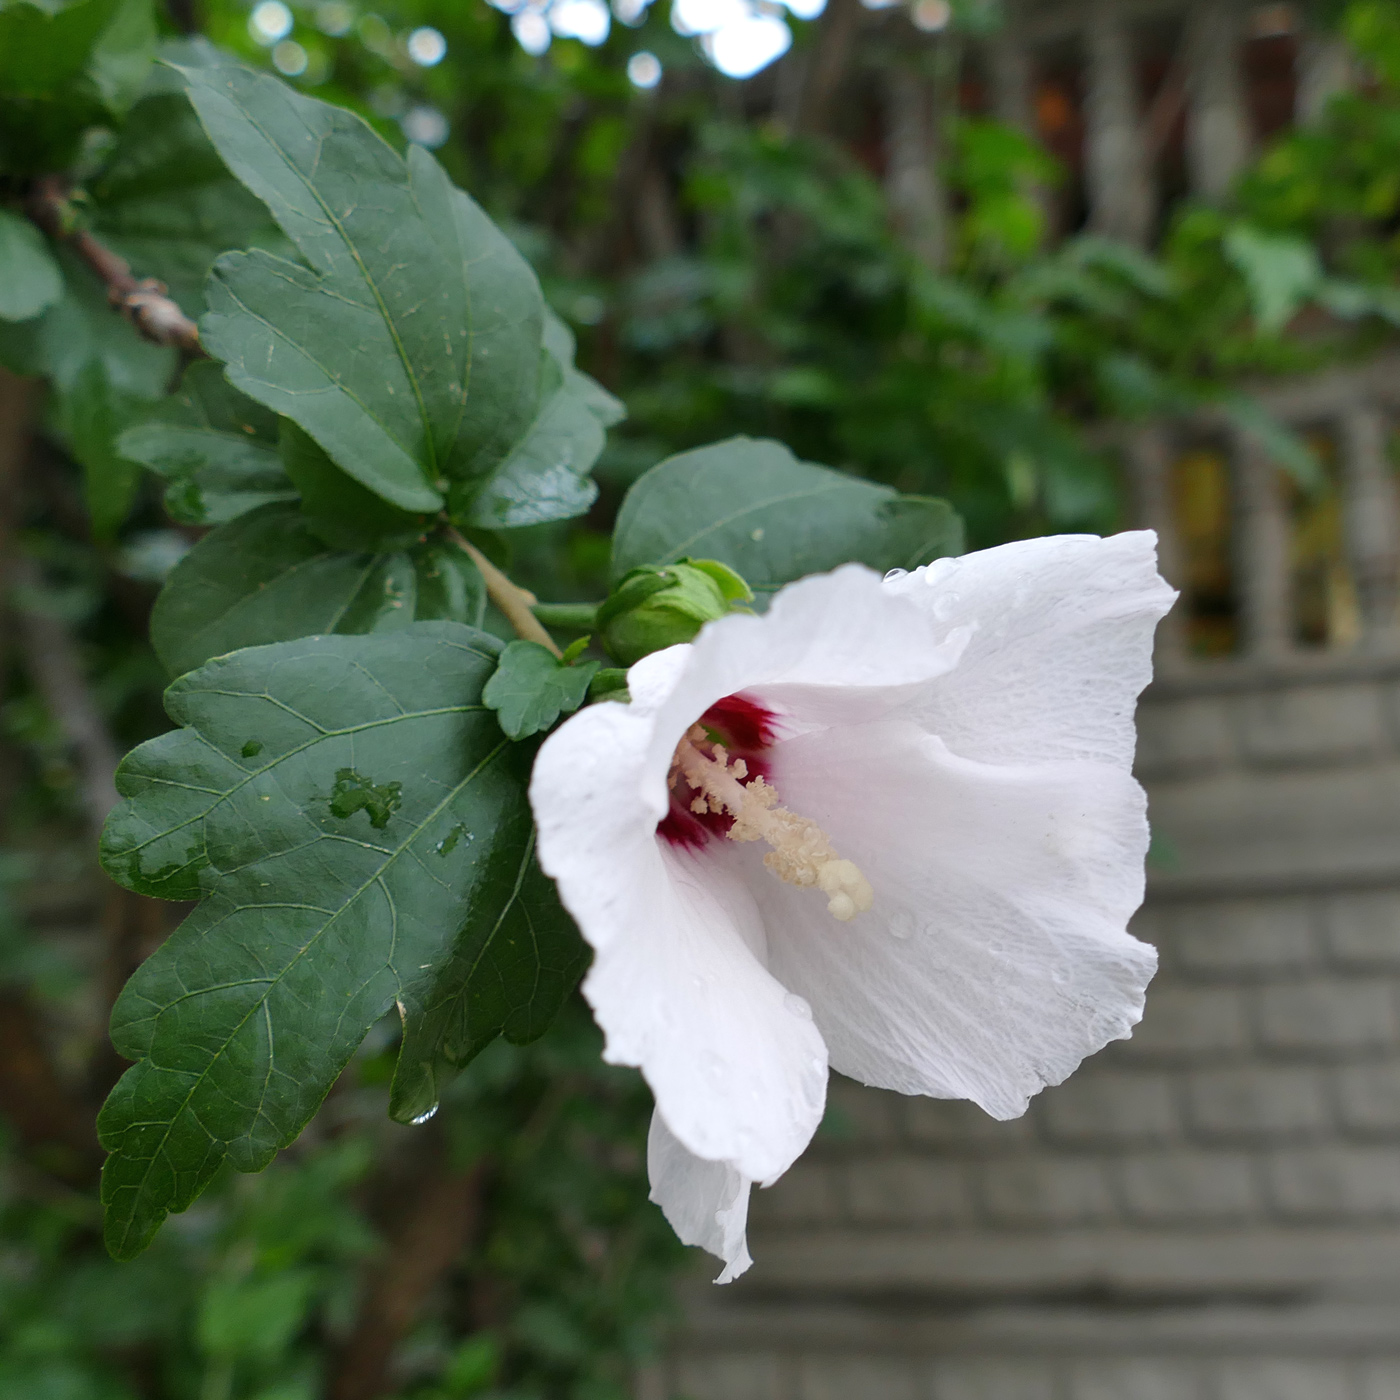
[515,602]
[578,617]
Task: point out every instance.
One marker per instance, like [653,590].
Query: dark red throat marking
[747,730]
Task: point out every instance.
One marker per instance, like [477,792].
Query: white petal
[705,1203]
[1061,646]
[678,985]
[996,955]
[836,647]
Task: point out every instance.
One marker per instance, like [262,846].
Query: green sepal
[657,606]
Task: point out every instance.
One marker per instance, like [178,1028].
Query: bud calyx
[658,605]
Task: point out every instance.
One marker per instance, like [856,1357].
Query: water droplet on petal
[797,1006]
[944,605]
[901,924]
[423,1117]
[896,574]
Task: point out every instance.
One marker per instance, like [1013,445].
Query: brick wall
[1210,1211]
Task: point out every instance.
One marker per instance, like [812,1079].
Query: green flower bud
[659,605]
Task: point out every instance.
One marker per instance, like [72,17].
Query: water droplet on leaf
[355,793]
[424,1116]
[251,749]
[448,844]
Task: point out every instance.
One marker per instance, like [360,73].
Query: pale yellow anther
[801,851]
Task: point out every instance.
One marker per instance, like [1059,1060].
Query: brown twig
[143,301]
[422,1246]
[515,602]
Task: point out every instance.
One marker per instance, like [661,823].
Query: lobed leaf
[216,447]
[165,201]
[407,344]
[79,328]
[512,966]
[750,504]
[532,688]
[32,281]
[358,827]
[267,577]
[64,68]
[92,414]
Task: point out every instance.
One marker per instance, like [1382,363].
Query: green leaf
[532,688]
[545,477]
[167,204]
[81,327]
[44,46]
[92,415]
[336,507]
[1280,443]
[407,346]
[266,577]
[318,915]
[750,504]
[122,55]
[31,280]
[63,69]
[1281,271]
[217,448]
[512,966]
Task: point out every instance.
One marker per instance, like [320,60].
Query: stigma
[801,852]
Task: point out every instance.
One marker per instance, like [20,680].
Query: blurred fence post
[1262,559]
[1218,137]
[1120,192]
[1372,520]
[1149,456]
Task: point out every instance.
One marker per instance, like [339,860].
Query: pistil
[801,851]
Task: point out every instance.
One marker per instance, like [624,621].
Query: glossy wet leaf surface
[407,342]
[357,827]
[750,504]
[268,577]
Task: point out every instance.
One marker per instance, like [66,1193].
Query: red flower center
[746,730]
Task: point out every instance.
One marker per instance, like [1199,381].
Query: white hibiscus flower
[889,826]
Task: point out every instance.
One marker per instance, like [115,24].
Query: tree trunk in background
[827,66]
[442,1214]
[918,205]
[1120,192]
[1013,99]
[19,403]
[1218,131]
[1324,70]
